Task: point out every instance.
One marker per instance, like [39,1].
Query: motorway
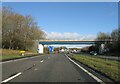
[44,68]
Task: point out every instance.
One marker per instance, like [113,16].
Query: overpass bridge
[41,43]
[70,42]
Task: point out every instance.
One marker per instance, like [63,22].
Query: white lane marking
[11,77]
[93,76]
[35,69]
[48,57]
[41,61]
[18,59]
[6,61]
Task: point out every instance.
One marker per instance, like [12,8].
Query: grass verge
[14,54]
[108,67]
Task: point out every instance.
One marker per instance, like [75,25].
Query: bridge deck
[71,42]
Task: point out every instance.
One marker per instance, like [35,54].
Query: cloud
[69,36]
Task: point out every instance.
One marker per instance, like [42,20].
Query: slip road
[44,68]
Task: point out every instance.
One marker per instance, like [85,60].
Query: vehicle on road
[93,53]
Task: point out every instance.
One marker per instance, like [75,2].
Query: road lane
[10,68]
[53,68]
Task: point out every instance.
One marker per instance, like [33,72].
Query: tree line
[19,31]
[111,43]
[114,37]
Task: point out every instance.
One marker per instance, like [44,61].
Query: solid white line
[93,76]
[19,59]
[11,77]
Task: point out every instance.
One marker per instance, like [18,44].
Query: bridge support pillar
[101,48]
[40,48]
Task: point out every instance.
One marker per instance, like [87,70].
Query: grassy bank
[11,54]
[108,67]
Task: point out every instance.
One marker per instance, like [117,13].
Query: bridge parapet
[75,40]
[66,40]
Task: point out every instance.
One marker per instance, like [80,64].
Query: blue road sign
[51,48]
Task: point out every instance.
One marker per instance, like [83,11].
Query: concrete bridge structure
[41,43]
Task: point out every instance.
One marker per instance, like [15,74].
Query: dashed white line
[35,69]
[11,77]
[93,76]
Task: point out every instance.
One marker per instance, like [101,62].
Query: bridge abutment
[40,48]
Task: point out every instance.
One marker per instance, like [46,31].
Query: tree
[113,46]
[102,37]
[0,27]
[115,35]
[18,31]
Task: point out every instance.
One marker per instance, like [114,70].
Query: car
[93,53]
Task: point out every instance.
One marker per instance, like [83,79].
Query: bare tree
[116,39]
[18,31]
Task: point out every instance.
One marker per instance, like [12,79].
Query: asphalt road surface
[44,68]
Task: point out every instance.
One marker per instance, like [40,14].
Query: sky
[70,20]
